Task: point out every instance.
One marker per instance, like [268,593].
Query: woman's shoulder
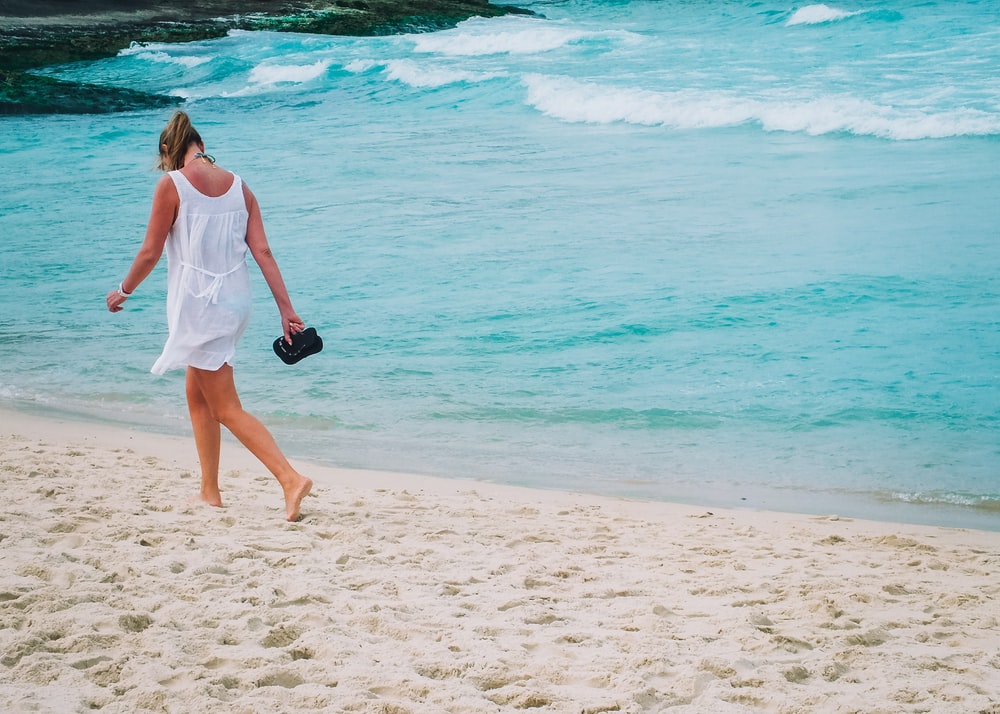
[247,193]
[166,186]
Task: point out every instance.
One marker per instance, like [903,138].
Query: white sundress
[208,283]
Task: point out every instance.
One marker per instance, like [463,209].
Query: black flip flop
[304,343]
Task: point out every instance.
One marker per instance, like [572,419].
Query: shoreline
[871,506]
[71,427]
[412,594]
[37,35]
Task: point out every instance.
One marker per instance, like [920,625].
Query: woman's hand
[116,301]
[291,324]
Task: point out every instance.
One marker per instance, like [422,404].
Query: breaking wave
[590,102]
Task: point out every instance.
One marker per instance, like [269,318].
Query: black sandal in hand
[304,343]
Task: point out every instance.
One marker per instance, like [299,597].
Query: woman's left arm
[291,323]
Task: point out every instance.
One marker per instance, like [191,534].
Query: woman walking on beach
[207,218]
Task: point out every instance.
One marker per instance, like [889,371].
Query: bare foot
[294,495]
[208,500]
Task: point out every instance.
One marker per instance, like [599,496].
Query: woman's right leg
[207,440]
[219,392]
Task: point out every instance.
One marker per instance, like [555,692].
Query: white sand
[404,594]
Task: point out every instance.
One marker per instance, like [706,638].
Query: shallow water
[723,252]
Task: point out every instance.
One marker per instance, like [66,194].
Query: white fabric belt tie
[212,291]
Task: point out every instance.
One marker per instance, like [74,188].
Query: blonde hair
[175,139]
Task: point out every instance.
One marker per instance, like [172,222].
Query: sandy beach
[401,594]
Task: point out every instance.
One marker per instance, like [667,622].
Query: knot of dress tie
[212,291]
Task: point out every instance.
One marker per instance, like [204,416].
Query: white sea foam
[839,113]
[575,101]
[525,37]
[268,74]
[164,58]
[416,75]
[818,14]
[140,47]
[163,53]
[263,78]
[360,66]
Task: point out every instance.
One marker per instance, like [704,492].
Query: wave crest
[575,101]
[269,74]
[162,53]
[819,14]
[415,75]
[526,37]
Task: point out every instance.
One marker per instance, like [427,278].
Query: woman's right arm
[161,218]
[256,239]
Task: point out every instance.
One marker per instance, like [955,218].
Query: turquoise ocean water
[728,253]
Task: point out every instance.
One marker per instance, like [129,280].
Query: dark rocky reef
[23,93]
[38,33]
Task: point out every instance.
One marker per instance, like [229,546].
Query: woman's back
[209,232]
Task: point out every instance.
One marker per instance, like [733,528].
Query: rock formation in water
[37,33]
